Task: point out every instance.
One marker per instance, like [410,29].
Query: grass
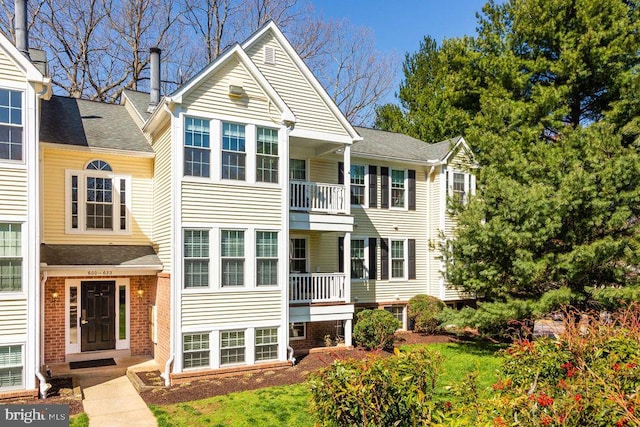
[79,420]
[288,405]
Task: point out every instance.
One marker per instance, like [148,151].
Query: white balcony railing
[317,197]
[317,287]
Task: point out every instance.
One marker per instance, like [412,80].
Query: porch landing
[109,398]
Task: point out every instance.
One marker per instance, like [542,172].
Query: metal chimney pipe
[154,93]
[20,23]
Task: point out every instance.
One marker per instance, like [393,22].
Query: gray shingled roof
[397,146]
[92,124]
[39,59]
[140,101]
[121,255]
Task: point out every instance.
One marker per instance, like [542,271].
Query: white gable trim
[178,96]
[461,144]
[271,26]
[31,72]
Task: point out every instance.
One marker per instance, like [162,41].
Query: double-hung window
[196,258]
[267,155]
[358,185]
[232,253]
[11,145]
[297,169]
[397,259]
[267,258]
[195,350]
[358,262]
[266,346]
[197,148]
[11,367]
[458,186]
[10,257]
[99,199]
[232,347]
[397,188]
[298,255]
[233,151]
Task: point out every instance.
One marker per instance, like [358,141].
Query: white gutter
[44,385]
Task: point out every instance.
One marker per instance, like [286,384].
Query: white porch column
[347,179]
[348,325]
[346,256]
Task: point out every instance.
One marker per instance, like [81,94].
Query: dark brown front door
[97,316]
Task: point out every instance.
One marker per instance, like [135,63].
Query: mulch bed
[60,393]
[200,389]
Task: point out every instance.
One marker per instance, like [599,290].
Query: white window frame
[365,177]
[292,326]
[405,189]
[244,347]
[82,202]
[191,368]
[22,159]
[403,321]
[194,147]
[244,258]
[245,154]
[256,346]
[469,183]
[208,259]
[365,260]
[23,247]
[405,259]
[268,156]
[272,258]
[21,366]
[306,169]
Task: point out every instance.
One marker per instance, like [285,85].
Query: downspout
[167,371]
[290,358]
[44,385]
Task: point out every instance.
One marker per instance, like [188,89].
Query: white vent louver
[269,55]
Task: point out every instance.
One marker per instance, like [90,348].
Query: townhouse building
[225,226]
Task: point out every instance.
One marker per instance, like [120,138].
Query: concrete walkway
[110,400]
[114,402]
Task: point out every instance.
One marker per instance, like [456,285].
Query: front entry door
[97,316]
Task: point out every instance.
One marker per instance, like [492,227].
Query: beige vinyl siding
[212,95]
[57,161]
[434,193]
[222,308]
[382,223]
[162,197]
[13,191]
[13,317]
[231,204]
[9,70]
[323,170]
[311,112]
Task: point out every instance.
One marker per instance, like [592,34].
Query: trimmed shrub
[374,329]
[393,391]
[424,310]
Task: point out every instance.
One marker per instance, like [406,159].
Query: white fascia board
[127,100]
[311,78]
[460,144]
[30,70]
[397,159]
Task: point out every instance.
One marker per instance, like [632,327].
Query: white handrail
[317,197]
[316,287]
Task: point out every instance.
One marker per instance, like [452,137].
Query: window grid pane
[195,348]
[196,258]
[397,258]
[266,258]
[196,151]
[297,169]
[232,252]
[397,188]
[74,201]
[233,151]
[298,256]
[458,186]
[10,125]
[11,366]
[357,184]
[99,203]
[10,258]
[266,344]
[232,347]
[357,259]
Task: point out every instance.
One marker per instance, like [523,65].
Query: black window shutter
[412,190]
[384,188]
[373,186]
[373,272]
[341,254]
[384,259]
[412,258]
[340,173]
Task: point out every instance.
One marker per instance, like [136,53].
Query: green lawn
[287,406]
[80,420]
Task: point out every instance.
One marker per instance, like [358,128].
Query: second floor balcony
[317,288]
[315,197]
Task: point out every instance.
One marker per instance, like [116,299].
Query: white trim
[25,249]
[31,72]
[304,331]
[23,365]
[405,189]
[271,26]
[365,259]
[405,255]
[99,270]
[365,203]
[321,136]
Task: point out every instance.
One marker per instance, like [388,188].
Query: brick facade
[316,332]
[139,303]
[163,304]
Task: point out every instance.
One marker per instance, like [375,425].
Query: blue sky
[400,25]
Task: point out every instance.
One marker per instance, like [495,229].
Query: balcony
[317,288]
[318,197]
